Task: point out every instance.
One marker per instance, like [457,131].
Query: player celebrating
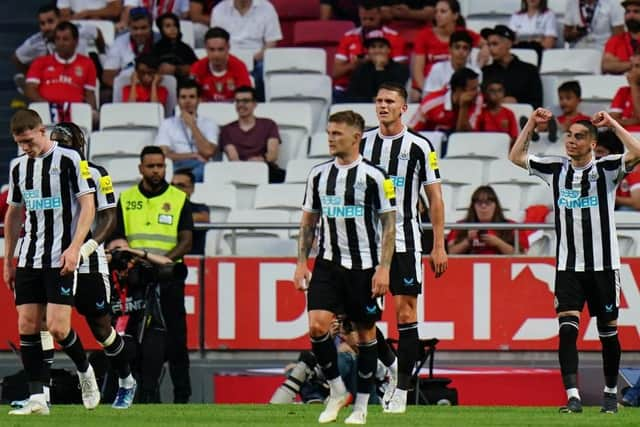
[411,162]
[588,261]
[352,198]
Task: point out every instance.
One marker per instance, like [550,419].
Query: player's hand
[380,282]
[439,261]
[302,277]
[9,275]
[69,258]
[541,115]
[602,119]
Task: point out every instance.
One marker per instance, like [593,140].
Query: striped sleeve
[15,194]
[386,200]
[543,166]
[311,201]
[80,174]
[105,196]
[429,168]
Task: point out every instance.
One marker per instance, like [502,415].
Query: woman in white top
[590,23]
[536,23]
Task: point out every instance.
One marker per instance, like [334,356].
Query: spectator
[625,107]
[188,140]
[90,9]
[174,55]
[588,24]
[126,47]
[184,180]
[454,108]
[535,26]
[253,25]
[421,11]
[494,117]
[351,51]
[63,77]
[220,73]
[377,69]
[621,47]
[432,43]
[608,143]
[200,15]
[156,9]
[484,208]
[252,138]
[145,83]
[521,80]
[460,44]
[569,98]
[345,10]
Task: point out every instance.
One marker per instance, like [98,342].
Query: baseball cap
[499,30]
[375,36]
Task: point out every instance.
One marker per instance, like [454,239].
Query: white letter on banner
[226,301]
[481,301]
[537,329]
[270,327]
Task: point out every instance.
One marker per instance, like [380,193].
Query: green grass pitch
[306,415]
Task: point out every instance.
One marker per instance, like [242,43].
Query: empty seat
[245,176]
[81,114]
[511,198]
[298,170]
[258,216]
[318,145]
[520,110]
[292,11]
[320,32]
[526,55]
[131,115]
[489,8]
[117,143]
[220,112]
[504,172]
[244,55]
[295,60]
[461,171]
[478,145]
[570,61]
[539,194]
[123,170]
[279,196]
[220,199]
[600,88]
[435,138]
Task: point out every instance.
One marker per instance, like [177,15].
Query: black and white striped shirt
[584,201]
[411,162]
[105,198]
[349,199]
[48,186]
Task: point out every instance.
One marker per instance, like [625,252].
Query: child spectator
[569,97]
[494,117]
[145,83]
[174,56]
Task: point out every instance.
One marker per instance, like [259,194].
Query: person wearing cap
[378,68]
[521,80]
[588,24]
[621,47]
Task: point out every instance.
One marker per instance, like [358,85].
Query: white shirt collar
[356,162]
[65,61]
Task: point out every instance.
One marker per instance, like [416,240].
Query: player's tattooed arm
[388,220]
[307,234]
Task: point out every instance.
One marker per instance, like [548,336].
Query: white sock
[127,382]
[362,400]
[47,393]
[613,390]
[402,393]
[87,373]
[337,386]
[573,392]
[39,397]
[394,368]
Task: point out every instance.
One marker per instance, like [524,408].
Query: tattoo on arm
[525,146]
[305,241]
[388,220]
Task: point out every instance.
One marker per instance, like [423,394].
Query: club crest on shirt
[219,86]
[166,207]
[361,186]
[593,175]
[79,71]
[231,85]
[404,155]
[54,171]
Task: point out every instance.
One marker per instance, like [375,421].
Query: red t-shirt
[620,46]
[501,121]
[220,87]
[563,119]
[478,247]
[630,182]
[63,81]
[352,45]
[623,104]
[437,113]
[143,94]
[435,50]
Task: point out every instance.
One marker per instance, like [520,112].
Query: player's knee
[58,332]
[318,328]
[568,327]
[100,327]
[607,329]
[28,325]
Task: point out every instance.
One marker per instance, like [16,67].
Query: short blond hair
[24,120]
[348,117]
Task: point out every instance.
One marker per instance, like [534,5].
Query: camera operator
[155,218]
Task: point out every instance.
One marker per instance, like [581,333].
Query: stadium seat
[520,110]
[558,7]
[186,28]
[489,8]
[168,82]
[511,199]
[146,115]
[220,199]
[542,243]
[107,28]
[461,171]
[200,52]
[319,33]
[262,216]
[245,176]
[245,55]
[298,170]
[220,112]
[123,170]
[292,11]
[279,196]
[600,88]
[435,138]
[318,145]
[297,60]
[478,24]
[478,145]
[81,114]
[526,55]
[628,239]
[117,143]
[544,147]
[583,61]
[540,194]
[502,171]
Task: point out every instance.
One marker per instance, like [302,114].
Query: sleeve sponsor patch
[433,160]
[389,189]
[84,169]
[106,186]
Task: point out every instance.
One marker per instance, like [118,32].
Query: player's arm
[106,221]
[439,261]
[632,155]
[85,219]
[185,233]
[307,233]
[388,241]
[520,149]
[12,225]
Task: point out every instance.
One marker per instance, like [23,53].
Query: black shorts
[93,294]
[600,289]
[44,285]
[406,273]
[342,291]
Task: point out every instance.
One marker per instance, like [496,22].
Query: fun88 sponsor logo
[398,181]
[33,201]
[332,207]
[570,199]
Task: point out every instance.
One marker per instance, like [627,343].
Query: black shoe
[553,130]
[574,405]
[609,403]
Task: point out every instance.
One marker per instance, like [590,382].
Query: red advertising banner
[479,304]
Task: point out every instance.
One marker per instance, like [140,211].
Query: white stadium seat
[220,198]
[600,88]
[107,28]
[245,176]
[520,110]
[279,196]
[504,172]
[319,145]
[511,198]
[244,55]
[435,138]
[131,115]
[478,24]
[298,170]
[461,171]
[253,236]
[628,239]
[117,143]
[123,170]
[220,112]
[478,145]
[570,61]
[294,60]
[526,55]
[81,114]
[489,8]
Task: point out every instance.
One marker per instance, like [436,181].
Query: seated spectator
[460,44]
[174,55]
[608,143]
[421,11]
[521,80]
[454,108]
[156,9]
[90,9]
[535,26]
[484,208]
[200,15]
[253,25]
[351,51]
[63,77]
[220,73]
[569,98]
[345,10]
[628,192]
[126,47]
[145,83]
[624,106]
[494,117]
[621,47]
[185,181]
[252,138]
[188,139]
[586,29]
[377,69]
[432,43]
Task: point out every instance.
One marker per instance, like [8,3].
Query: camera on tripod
[141,272]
